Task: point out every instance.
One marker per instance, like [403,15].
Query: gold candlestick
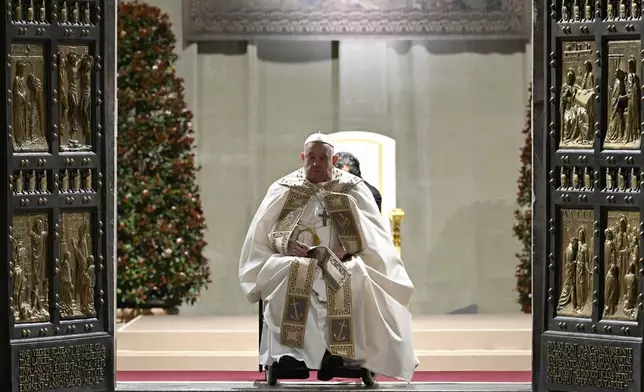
[396,217]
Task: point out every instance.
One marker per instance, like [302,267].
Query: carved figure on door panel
[621,250]
[574,268]
[588,11]
[619,103]
[28,125]
[610,10]
[609,180]
[30,290]
[577,95]
[75,13]
[630,296]
[633,110]
[622,9]
[73,67]
[86,85]
[563,179]
[63,93]
[17,11]
[24,284]
[42,12]
[65,181]
[575,178]
[18,252]
[577,108]
[88,182]
[568,289]
[63,13]
[621,181]
[633,182]
[19,182]
[67,286]
[44,188]
[588,179]
[20,114]
[90,278]
[74,71]
[76,181]
[570,124]
[611,286]
[37,102]
[624,91]
[81,254]
[610,251]
[79,284]
[583,272]
[30,11]
[31,188]
[634,10]
[38,235]
[588,78]
[87,14]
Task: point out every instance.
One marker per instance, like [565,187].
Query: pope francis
[321,257]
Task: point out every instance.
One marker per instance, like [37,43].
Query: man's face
[318,159]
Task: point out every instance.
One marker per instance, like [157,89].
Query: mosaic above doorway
[207,20]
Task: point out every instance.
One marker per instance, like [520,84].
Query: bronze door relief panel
[58,214]
[624,92]
[575,285]
[588,262]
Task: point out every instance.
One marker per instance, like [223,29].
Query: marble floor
[320,386]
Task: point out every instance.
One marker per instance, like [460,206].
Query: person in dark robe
[349,163]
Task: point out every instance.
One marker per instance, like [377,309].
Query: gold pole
[396,216]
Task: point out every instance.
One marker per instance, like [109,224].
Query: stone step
[430,360]
[247,340]
[447,343]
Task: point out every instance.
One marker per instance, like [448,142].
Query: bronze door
[58,215]
[588,226]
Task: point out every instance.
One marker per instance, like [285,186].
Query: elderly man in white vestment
[320,256]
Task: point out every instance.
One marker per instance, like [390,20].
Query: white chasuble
[356,308]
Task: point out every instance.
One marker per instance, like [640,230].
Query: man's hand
[339,252]
[296,248]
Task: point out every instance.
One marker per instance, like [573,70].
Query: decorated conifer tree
[160,219]
[523,216]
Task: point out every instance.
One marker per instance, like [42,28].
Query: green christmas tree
[160,219]
[523,216]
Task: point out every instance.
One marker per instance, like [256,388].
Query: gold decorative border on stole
[339,302]
[301,272]
[288,219]
[345,223]
[296,307]
[338,307]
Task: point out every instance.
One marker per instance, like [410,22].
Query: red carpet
[187,376]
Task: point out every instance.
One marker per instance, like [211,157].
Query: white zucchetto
[318,137]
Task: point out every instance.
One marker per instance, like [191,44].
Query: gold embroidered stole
[302,269]
[339,298]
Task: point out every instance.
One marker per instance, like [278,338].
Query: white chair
[377,156]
